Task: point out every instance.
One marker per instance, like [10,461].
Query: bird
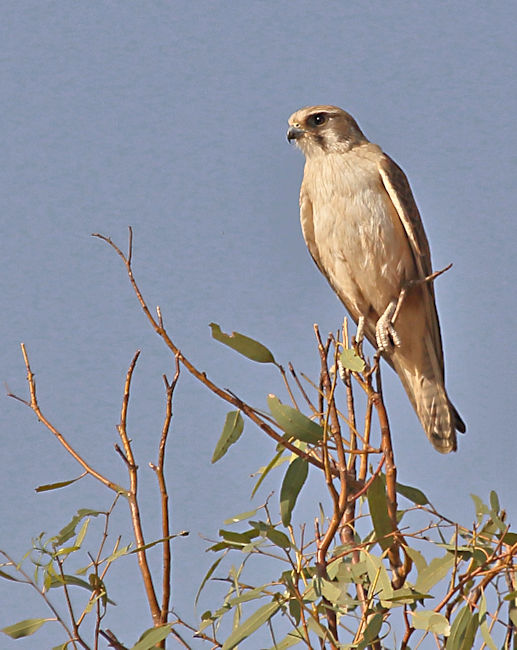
[363,230]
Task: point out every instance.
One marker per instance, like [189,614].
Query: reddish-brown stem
[133,498]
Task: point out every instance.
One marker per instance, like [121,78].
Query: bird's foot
[385,333]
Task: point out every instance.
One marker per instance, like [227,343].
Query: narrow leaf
[183,533]
[293,422]
[380,583]
[278,538]
[481,508]
[233,426]
[293,638]
[5,575]
[351,360]
[371,632]
[207,577]
[24,628]
[291,485]
[463,630]
[278,459]
[69,530]
[378,505]
[417,558]
[251,594]
[240,517]
[238,538]
[57,581]
[58,485]
[435,571]
[431,622]
[413,494]
[152,636]
[494,501]
[256,620]
[485,632]
[243,344]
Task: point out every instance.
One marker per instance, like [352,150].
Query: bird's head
[323,129]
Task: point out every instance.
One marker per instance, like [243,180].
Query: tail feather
[438,417]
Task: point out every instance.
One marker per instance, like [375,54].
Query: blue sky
[171,118]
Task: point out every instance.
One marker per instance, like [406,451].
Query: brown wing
[399,191]
[306,220]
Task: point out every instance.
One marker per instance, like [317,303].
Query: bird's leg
[413,283]
[385,333]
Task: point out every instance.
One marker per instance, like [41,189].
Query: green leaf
[378,505]
[463,630]
[494,501]
[417,558]
[380,584]
[240,517]
[431,622]
[413,494]
[120,552]
[57,486]
[24,628]
[435,571]
[278,538]
[152,636]
[82,534]
[243,344]
[293,638]
[233,426]
[483,624]
[256,620]
[57,581]
[407,595]
[251,594]
[293,422]
[277,460]
[509,538]
[69,530]
[481,508]
[207,577]
[291,485]
[371,632]
[351,360]
[238,538]
[6,576]
[183,533]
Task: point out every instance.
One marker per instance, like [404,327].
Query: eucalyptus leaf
[293,422]
[435,571]
[24,628]
[378,504]
[256,620]
[232,429]
[351,360]
[431,622]
[292,484]
[152,636]
[243,344]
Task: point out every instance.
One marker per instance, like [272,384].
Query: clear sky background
[171,117]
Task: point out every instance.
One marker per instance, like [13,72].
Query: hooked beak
[293,133]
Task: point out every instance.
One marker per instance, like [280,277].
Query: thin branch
[33,404]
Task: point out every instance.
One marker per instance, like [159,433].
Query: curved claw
[385,333]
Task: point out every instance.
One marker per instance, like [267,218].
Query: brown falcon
[362,227]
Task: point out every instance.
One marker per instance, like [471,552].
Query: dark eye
[317,119]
